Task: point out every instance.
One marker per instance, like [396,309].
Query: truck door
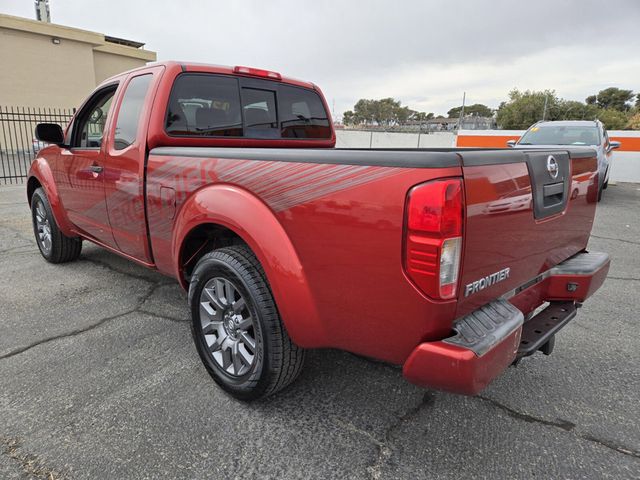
[80,174]
[125,164]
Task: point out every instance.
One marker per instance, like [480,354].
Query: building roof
[123,41]
[99,41]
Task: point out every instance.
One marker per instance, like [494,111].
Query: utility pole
[544,112]
[43,14]
[464,97]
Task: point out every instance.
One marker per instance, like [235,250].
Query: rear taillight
[434,237]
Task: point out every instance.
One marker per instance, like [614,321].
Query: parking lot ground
[99,379]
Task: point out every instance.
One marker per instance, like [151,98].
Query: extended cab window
[217,105]
[91,121]
[204,105]
[130,109]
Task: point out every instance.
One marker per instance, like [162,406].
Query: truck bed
[342,210]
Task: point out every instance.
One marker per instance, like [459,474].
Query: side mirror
[511,143]
[50,133]
[613,144]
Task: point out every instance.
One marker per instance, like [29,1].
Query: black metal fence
[18,144]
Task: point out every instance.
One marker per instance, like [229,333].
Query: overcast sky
[425,53]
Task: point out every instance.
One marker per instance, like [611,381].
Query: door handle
[95,168]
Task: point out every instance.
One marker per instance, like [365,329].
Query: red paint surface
[330,237]
[449,367]
[501,230]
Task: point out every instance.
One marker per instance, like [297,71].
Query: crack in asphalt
[633,279]
[562,424]
[612,445]
[138,308]
[565,425]
[72,333]
[616,239]
[30,464]
[386,446]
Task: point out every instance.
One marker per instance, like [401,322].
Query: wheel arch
[40,175]
[237,216]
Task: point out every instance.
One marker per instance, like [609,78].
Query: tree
[384,112]
[422,116]
[638,100]
[526,108]
[634,122]
[612,98]
[478,110]
[574,110]
[613,119]
[348,118]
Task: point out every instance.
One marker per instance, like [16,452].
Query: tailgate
[526,211]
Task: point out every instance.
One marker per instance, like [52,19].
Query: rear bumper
[488,340]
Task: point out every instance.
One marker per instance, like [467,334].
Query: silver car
[576,133]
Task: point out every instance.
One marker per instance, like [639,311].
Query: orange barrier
[627,144]
[484,141]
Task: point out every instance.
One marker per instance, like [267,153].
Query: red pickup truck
[454,263]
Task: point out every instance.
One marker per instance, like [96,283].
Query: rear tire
[236,327]
[54,246]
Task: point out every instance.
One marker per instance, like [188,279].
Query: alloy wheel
[43,227]
[227,326]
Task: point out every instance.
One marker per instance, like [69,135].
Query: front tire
[54,246]
[236,326]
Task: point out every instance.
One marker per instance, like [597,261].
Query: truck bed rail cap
[402,158]
[478,157]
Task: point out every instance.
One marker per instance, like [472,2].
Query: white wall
[360,139]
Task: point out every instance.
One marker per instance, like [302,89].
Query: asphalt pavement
[99,379]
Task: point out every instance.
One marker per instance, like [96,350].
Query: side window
[204,105]
[210,105]
[91,122]
[302,114]
[259,110]
[126,129]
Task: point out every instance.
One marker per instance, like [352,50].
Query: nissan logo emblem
[552,167]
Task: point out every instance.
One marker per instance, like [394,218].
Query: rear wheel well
[32,185]
[202,240]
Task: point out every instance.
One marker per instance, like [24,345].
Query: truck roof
[569,123]
[221,69]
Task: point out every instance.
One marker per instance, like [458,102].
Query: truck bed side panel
[345,222]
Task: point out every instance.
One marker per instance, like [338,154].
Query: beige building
[49,65]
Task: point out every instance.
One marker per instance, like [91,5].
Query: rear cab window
[213,105]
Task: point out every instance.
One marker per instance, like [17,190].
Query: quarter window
[129,115]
